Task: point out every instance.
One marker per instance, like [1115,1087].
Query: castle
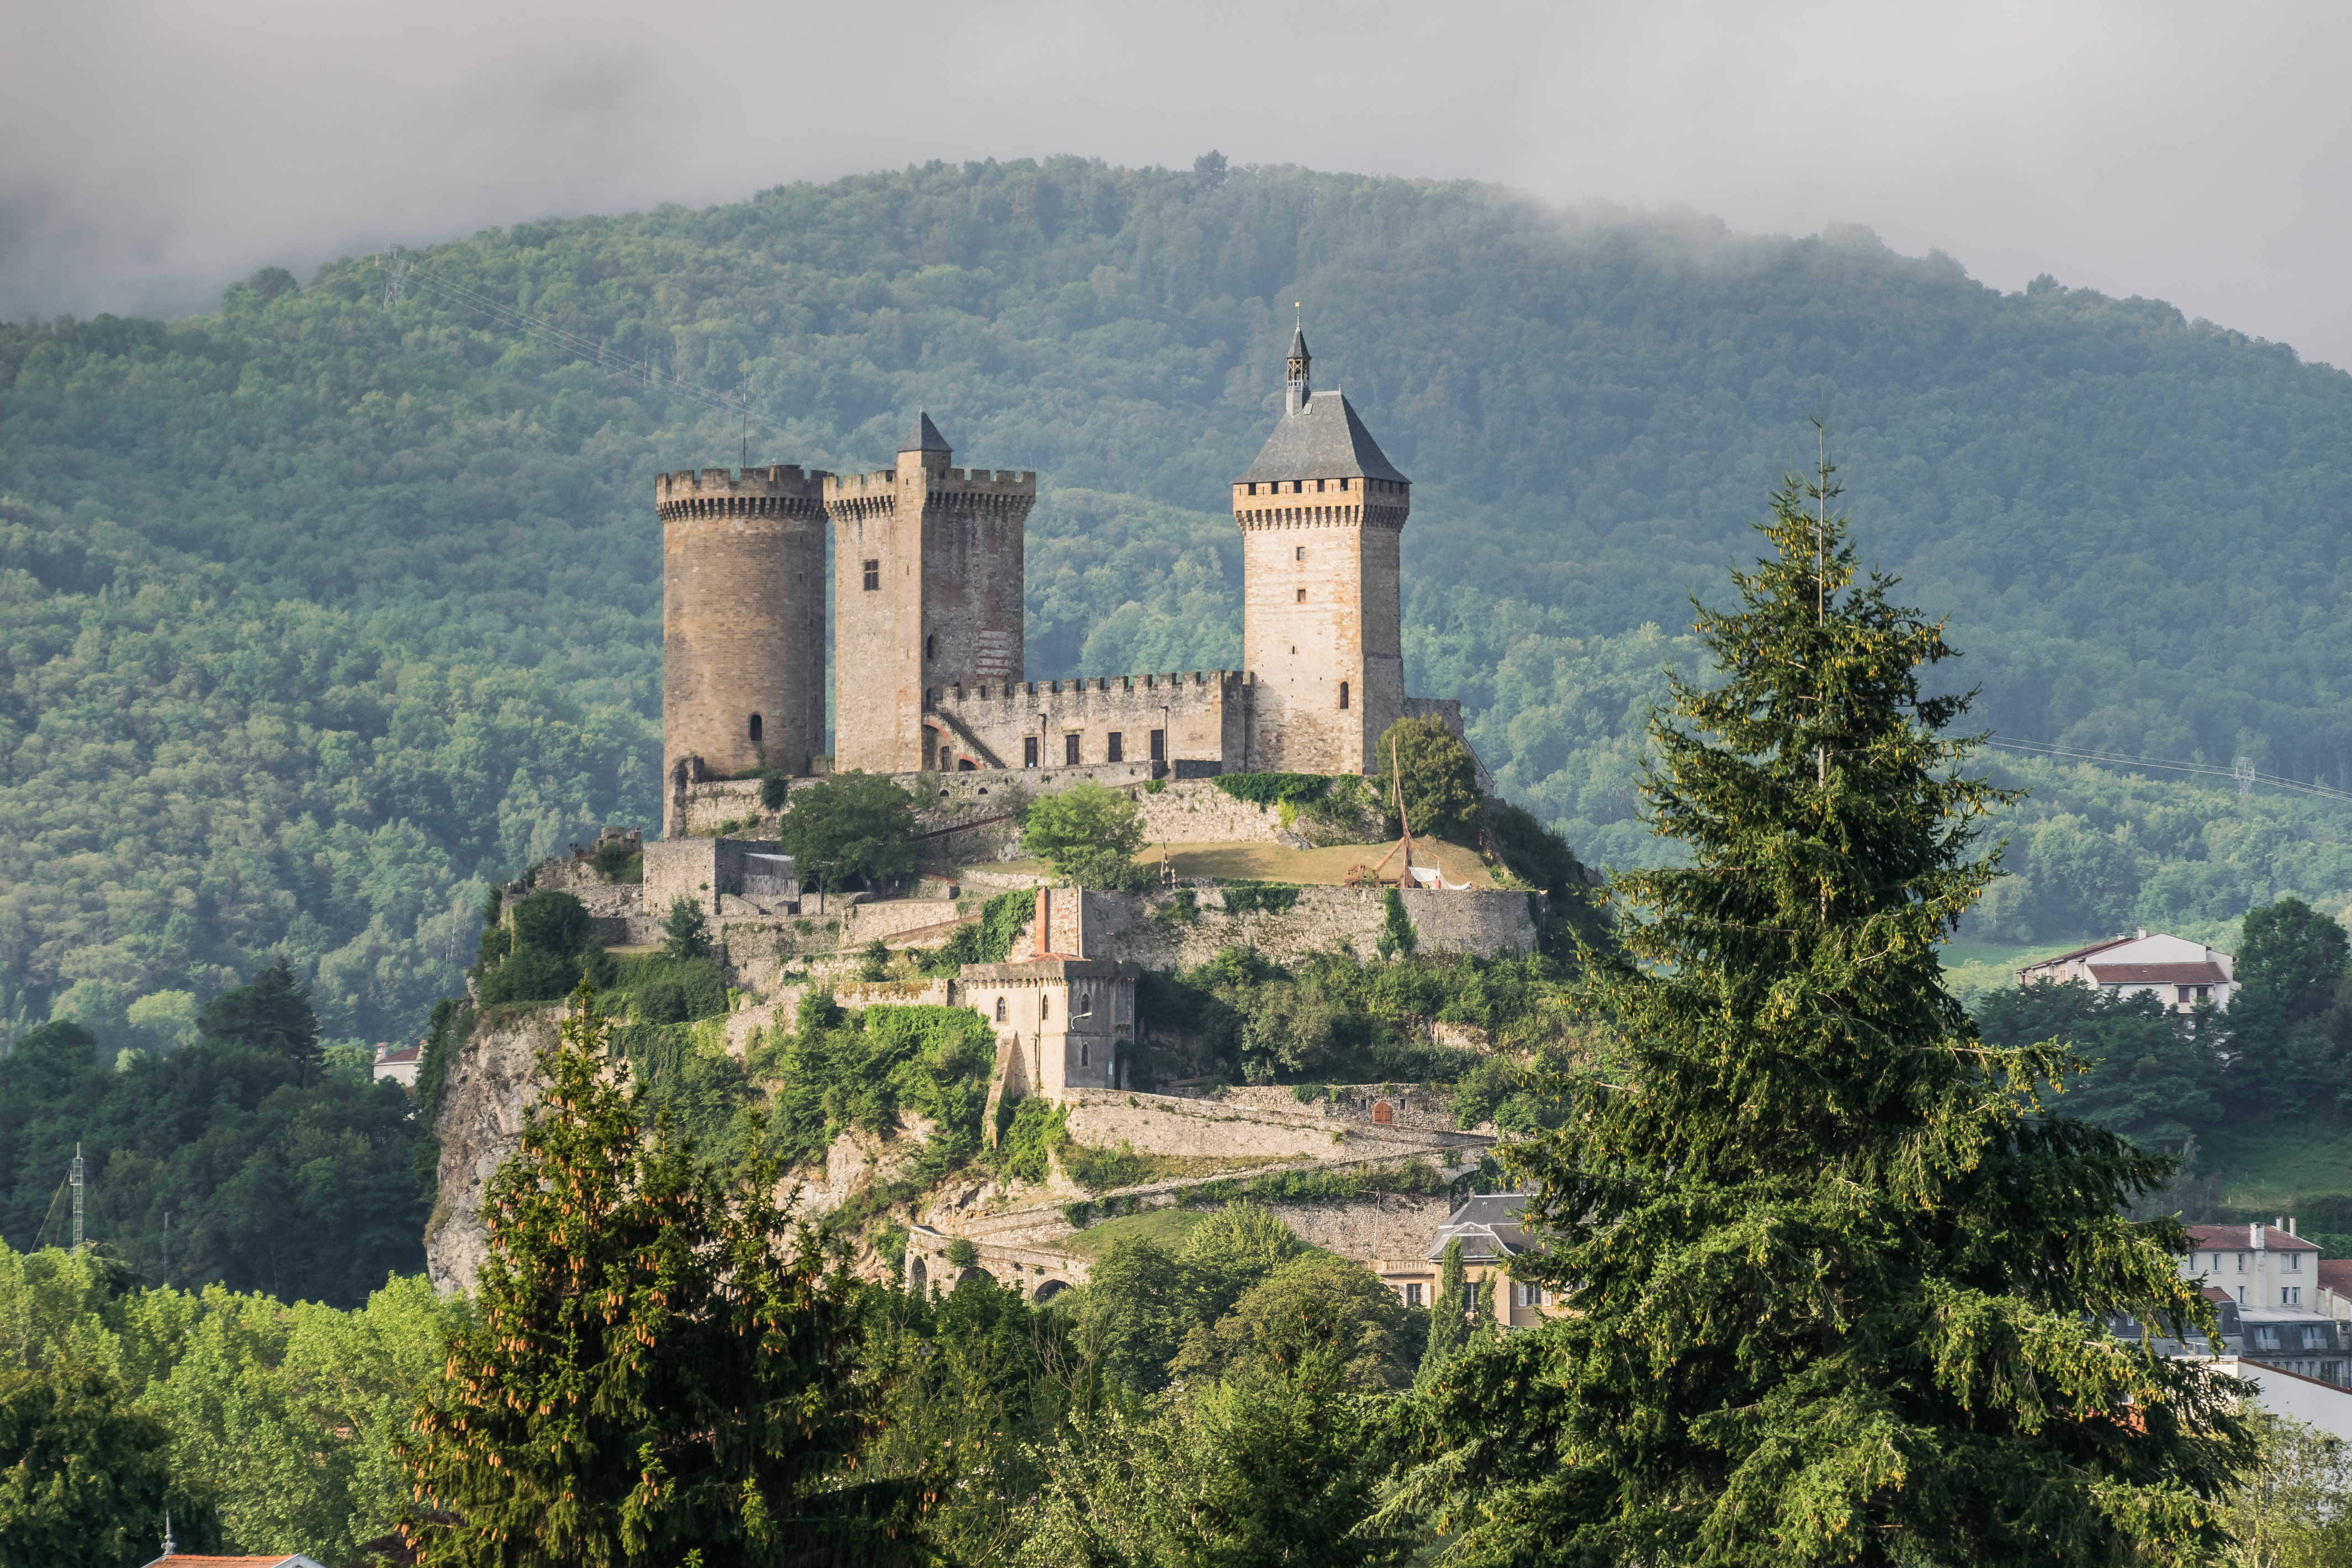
[927,607]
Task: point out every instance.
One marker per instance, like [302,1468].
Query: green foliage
[663,1361]
[83,1473]
[1274,789]
[1262,898]
[1301,1306]
[1280,1467]
[850,827]
[1330,1018]
[990,940]
[1436,774]
[1091,833]
[698,985]
[960,1252]
[838,1070]
[552,922]
[616,862]
[774,791]
[874,960]
[2289,1511]
[1030,1135]
[2150,1073]
[269,1013]
[1449,1319]
[685,933]
[1397,933]
[1793,1100]
[2286,1023]
[277,1418]
[277,1177]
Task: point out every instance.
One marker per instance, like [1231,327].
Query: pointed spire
[1294,381]
[923,435]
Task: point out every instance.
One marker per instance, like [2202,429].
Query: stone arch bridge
[1038,1273]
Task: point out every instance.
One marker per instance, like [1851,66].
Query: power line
[2240,772]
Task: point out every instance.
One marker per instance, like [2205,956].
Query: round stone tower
[743,587]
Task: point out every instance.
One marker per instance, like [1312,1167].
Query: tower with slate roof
[927,597]
[1321,512]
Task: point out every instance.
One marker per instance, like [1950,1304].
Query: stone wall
[1169,1125]
[1480,921]
[1036,724]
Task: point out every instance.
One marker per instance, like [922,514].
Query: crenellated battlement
[780,490]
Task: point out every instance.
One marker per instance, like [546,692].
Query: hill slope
[317,612]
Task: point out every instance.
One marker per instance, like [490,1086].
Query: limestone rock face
[493,1080]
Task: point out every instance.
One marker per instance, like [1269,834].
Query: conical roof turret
[1298,342]
[924,437]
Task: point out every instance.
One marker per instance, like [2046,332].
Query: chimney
[2254,1234]
[2290,1226]
[2142,934]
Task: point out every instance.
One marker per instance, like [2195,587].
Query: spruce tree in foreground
[660,1363]
[1833,1274]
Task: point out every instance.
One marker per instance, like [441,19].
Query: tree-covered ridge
[442,528]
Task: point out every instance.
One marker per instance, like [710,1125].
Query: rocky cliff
[491,1080]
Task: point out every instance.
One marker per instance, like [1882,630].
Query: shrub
[1274,789]
[613,857]
[874,960]
[1025,1145]
[989,940]
[552,922]
[530,974]
[960,1252]
[660,1002]
[1273,898]
[1079,1215]
[1108,871]
[1397,933]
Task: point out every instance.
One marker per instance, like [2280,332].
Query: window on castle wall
[1159,745]
[1045,1008]
[1343,484]
[1028,751]
[755,729]
[1115,743]
[1302,596]
[1343,697]
[873,576]
[1299,554]
[1070,750]
[1001,1009]
[1085,1057]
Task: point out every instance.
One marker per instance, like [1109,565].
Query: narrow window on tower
[1070,750]
[1028,751]
[930,647]
[873,576]
[1302,596]
[1343,484]
[1343,697]
[755,729]
[1159,745]
[1118,744]
[1001,1009]
[1300,553]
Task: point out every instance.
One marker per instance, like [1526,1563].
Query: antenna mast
[393,274]
[76,1179]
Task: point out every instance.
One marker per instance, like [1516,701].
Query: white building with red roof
[2267,1278]
[2177,972]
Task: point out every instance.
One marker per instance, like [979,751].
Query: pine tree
[1836,1278]
[660,1362]
[1449,1323]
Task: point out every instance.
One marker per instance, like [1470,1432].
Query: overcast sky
[152,152]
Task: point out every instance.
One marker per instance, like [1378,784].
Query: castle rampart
[742,619]
[1094,720]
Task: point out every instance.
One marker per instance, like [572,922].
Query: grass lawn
[1279,863]
[1166,1227]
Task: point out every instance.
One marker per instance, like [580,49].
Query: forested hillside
[317,612]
